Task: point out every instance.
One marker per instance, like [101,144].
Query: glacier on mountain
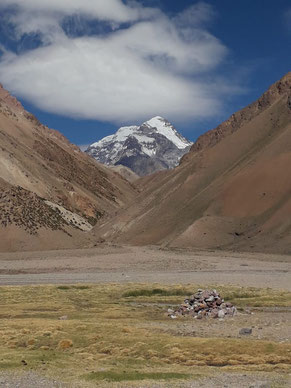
[153,146]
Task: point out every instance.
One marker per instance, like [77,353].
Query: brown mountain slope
[126,172]
[46,166]
[231,191]
[242,117]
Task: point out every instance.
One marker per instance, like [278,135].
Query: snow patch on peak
[105,140]
[166,129]
[156,121]
[129,128]
[124,132]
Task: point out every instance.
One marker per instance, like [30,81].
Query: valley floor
[114,330]
[145,265]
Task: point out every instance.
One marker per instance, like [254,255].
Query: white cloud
[160,42]
[196,15]
[113,10]
[130,74]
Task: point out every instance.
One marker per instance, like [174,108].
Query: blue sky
[87,67]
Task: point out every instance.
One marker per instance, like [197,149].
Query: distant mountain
[154,146]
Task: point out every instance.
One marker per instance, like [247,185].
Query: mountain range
[153,146]
[231,191]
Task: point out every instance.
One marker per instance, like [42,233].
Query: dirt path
[145,264]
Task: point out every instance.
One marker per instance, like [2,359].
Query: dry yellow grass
[111,332]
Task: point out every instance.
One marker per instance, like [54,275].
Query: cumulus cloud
[102,9]
[155,65]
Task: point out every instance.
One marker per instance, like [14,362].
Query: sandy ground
[145,264]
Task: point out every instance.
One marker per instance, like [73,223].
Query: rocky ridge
[10,101]
[153,146]
[242,117]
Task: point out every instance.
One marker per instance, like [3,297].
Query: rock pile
[205,303]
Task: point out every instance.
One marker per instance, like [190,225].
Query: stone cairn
[205,303]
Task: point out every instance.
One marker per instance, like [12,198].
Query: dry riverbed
[145,264]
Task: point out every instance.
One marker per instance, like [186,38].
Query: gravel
[28,380]
[221,380]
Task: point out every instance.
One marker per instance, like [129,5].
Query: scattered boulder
[245,331]
[205,303]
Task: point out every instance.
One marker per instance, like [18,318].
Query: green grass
[241,297]
[81,287]
[134,376]
[110,328]
[155,292]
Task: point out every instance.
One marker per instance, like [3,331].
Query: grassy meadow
[119,333]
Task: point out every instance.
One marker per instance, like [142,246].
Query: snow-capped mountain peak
[166,129]
[153,146]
